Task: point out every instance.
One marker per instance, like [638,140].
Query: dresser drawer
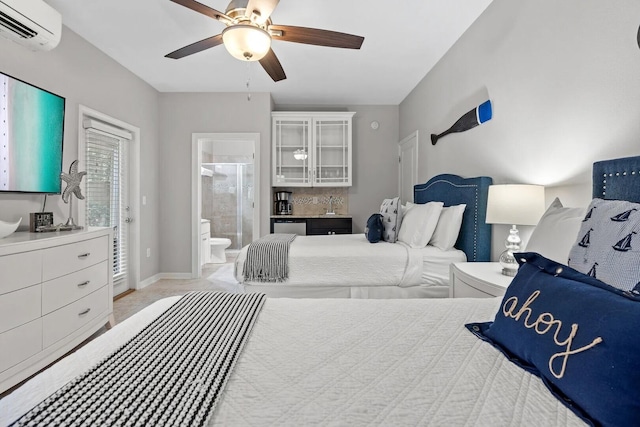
[64,290]
[65,259]
[20,343]
[20,307]
[19,271]
[64,321]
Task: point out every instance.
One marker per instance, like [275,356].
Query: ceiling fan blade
[316,37]
[195,47]
[272,66]
[203,9]
[264,7]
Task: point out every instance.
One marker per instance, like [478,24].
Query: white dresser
[56,290]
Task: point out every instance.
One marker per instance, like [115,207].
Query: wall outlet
[315,200]
[148,252]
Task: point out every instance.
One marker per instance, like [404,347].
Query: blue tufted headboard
[617,179]
[475,234]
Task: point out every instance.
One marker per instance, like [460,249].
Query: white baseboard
[179,276]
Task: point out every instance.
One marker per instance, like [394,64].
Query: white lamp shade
[246,42]
[515,204]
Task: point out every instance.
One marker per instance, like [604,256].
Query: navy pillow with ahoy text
[580,335]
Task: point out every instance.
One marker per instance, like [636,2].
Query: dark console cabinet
[311,225]
[318,226]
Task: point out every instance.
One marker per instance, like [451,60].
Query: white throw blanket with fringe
[268,258]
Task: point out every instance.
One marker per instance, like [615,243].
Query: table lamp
[515,204]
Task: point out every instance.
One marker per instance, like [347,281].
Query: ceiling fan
[249,32]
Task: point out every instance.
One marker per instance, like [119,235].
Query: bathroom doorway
[225,191]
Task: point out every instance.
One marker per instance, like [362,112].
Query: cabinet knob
[81,256]
[82,313]
[83,284]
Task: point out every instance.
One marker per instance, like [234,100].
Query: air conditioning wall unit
[31,23]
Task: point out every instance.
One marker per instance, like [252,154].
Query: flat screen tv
[31,134]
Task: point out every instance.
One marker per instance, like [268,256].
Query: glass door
[227,198]
[107,199]
[332,154]
[292,152]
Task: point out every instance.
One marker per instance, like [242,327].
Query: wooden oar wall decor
[471,119]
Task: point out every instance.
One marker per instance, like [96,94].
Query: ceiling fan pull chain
[248,81]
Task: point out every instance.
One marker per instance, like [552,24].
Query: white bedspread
[346,260]
[352,362]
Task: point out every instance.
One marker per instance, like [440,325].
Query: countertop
[309,216]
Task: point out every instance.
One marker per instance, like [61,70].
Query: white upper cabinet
[312,149]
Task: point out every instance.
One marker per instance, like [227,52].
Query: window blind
[106,193]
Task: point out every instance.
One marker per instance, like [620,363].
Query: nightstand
[477,280]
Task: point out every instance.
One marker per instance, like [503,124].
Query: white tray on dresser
[56,290]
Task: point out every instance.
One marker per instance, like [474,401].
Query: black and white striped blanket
[268,258]
[172,373]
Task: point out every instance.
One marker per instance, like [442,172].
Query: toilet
[218,245]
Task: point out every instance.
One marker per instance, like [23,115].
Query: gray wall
[375,161]
[564,81]
[84,75]
[181,115]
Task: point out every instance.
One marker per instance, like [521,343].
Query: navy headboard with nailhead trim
[617,179]
[475,234]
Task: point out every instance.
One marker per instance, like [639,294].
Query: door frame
[134,185]
[196,188]
[416,164]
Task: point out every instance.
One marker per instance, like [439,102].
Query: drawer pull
[82,313]
[83,284]
[84,255]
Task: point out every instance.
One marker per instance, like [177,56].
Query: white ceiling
[404,39]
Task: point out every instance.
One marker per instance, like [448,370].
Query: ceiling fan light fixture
[246,42]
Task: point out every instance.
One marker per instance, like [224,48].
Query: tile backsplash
[303,200]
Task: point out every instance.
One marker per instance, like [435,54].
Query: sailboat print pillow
[608,244]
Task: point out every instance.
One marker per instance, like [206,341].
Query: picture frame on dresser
[56,291]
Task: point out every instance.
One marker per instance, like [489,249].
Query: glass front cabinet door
[312,149]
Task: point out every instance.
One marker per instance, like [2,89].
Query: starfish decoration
[73,179]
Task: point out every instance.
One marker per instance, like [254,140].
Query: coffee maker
[282,202]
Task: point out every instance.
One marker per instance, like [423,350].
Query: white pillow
[446,232]
[556,232]
[419,223]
